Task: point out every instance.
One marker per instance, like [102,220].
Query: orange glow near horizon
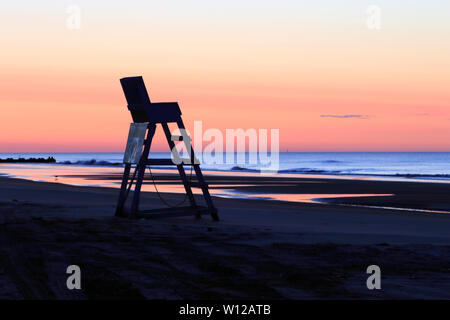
[324,80]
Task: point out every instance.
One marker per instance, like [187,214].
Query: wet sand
[364,191]
[259,250]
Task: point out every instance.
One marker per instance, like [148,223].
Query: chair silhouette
[144,111]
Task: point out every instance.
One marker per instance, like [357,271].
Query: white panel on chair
[135,143]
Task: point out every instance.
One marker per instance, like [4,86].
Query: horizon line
[168,151]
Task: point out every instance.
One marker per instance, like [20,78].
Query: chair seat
[156,112]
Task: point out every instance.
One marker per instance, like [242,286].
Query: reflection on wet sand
[110,177]
[303,197]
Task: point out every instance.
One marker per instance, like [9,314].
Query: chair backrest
[142,109]
[137,97]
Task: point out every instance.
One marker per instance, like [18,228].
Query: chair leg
[206,195]
[141,170]
[201,180]
[123,192]
[187,186]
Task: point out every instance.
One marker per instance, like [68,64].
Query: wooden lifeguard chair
[146,115]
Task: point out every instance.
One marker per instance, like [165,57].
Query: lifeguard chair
[146,115]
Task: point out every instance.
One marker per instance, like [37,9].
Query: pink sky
[320,76]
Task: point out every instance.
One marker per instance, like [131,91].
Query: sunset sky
[312,69]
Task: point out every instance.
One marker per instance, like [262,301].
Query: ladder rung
[167,162]
[177,138]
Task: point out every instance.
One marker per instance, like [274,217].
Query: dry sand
[259,250]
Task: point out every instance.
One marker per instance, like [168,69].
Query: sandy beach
[259,250]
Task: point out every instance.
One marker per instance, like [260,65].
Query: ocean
[418,165]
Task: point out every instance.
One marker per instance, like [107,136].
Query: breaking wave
[349,172]
[92,162]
